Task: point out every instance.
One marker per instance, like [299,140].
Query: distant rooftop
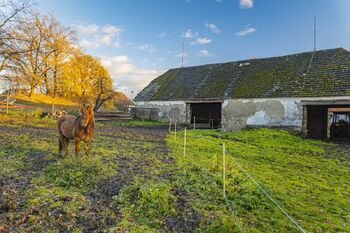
[310,74]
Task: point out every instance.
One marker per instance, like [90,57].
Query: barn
[308,92]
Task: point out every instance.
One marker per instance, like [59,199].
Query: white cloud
[146,47]
[88,29]
[126,75]
[246,31]
[189,34]
[181,54]
[163,34]
[123,58]
[246,3]
[201,41]
[204,53]
[95,36]
[110,29]
[212,27]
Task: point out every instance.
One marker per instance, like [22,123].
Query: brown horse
[80,128]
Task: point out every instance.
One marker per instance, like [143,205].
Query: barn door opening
[317,121]
[206,115]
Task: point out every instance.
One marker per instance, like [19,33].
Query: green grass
[77,174]
[161,190]
[310,184]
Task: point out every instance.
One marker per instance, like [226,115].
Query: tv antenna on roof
[314,33]
[182,55]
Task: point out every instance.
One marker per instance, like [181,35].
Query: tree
[83,76]
[10,13]
[60,41]
[40,48]
[105,90]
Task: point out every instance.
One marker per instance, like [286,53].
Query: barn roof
[309,74]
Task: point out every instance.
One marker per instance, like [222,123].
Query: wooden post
[194,122]
[7,101]
[185,141]
[175,130]
[53,104]
[304,121]
[224,169]
[212,123]
[169,125]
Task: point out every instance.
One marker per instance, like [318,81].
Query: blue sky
[137,40]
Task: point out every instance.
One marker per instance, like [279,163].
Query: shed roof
[310,74]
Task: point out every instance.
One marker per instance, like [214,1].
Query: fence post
[224,169]
[194,122]
[7,102]
[185,141]
[175,130]
[169,125]
[212,123]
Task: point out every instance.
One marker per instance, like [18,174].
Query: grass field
[138,180]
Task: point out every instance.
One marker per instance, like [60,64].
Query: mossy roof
[310,74]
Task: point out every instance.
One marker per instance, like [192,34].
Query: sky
[138,40]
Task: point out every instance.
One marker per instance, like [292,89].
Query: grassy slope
[43,102]
[145,189]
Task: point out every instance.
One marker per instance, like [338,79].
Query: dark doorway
[317,121]
[340,123]
[206,115]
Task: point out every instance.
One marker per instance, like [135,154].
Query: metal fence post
[224,168]
[194,122]
[185,141]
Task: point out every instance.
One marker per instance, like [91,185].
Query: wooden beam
[339,110]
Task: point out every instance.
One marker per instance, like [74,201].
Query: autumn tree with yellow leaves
[42,55]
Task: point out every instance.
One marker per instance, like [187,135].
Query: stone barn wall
[236,113]
[162,111]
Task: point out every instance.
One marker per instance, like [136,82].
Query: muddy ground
[16,215]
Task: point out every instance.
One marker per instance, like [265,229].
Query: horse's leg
[60,147]
[87,147]
[66,146]
[77,147]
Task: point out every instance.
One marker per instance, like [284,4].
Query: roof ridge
[261,58]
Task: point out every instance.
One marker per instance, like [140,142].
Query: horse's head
[87,115]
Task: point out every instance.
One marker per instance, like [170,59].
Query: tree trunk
[32,86]
[55,83]
[47,85]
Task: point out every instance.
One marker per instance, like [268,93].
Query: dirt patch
[14,188]
[188,221]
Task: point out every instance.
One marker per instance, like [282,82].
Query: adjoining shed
[327,119]
[298,91]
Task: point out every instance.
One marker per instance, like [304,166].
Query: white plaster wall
[292,114]
[239,113]
[284,112]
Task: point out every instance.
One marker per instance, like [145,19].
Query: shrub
[79,173]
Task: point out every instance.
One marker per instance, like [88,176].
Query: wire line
[268,195]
